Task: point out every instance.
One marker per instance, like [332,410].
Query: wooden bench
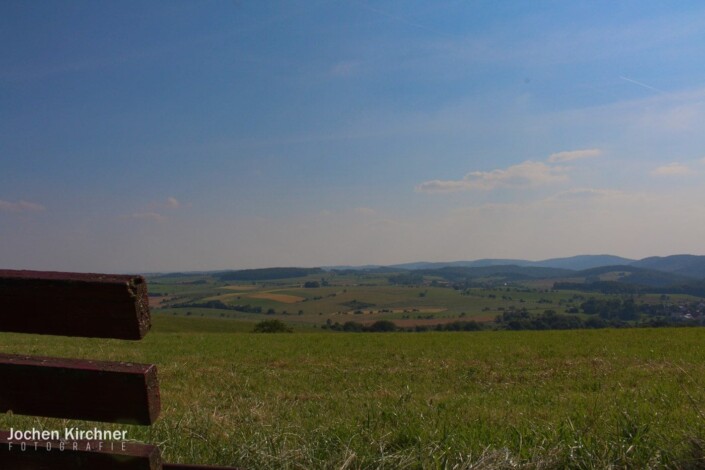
[85,305]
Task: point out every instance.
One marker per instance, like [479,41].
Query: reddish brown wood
[74,304]
[115,392]
[89,455]
[78,304]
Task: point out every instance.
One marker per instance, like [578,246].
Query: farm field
[331,299]
[626,398]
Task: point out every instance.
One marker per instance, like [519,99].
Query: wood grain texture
[115,392]
[74,304]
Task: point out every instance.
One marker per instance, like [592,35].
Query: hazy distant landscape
[579,292]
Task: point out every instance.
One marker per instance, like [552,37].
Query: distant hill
[574,262]
[345,267]
[266,274]
[584,262]
[682,268]
[619,275]
[461,264]
[689,266]
[506,272]
[684,265]
[634,275]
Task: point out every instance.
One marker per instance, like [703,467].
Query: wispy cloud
[173,203]
[672,169]
[400,19]
[155,211]
[20,207]
[528,174]
[573,155]
[524,175]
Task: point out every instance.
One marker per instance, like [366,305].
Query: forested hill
[266,274]
[574,262]
[684,265]
[652,271]
[689,266]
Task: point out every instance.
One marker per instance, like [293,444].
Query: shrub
[271,326]
[383,326]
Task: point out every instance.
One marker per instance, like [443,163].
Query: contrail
[398,18]
[644,85]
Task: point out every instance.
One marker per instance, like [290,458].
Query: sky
[194,135]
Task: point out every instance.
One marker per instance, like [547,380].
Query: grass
[558,399]
[386,302]
[367,298]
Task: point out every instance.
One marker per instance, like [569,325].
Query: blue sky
[192,135]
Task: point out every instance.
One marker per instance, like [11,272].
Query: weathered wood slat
[20,454]
[115,392]
[89,455]
[74,304]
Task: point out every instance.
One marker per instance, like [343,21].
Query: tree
[383,326]
[271,326]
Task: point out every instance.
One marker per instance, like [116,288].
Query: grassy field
[365,298]
[629,398]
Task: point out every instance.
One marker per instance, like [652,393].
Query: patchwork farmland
[326,298]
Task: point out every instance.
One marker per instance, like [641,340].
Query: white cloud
[573,155]
[524,175]
[173,203]
[672,169]
[153,211]
[20,207]
[528,174]
[442,186]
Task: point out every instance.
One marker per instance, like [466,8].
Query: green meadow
[625,398]
[363,298]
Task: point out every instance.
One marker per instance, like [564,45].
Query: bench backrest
[86,305]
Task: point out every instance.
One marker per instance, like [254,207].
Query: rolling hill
[684,265]
[574,262]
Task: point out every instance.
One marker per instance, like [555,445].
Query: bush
[383,326]
[353,326]
[271,326]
